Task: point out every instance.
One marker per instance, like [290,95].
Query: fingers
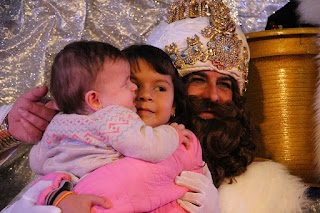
[33,124]
[174,124]
[40,111]
[29,117]
[30,120]
[189,207]
[194,198]
[35,94]
[33,134]
[187,134]
[206,172]
[186,142]
[180,127]
[193,176]
[52,105]
[203,196]
[193,181]
[100,201]
[192,185]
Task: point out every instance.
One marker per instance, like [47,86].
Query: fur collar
[265,187]
[309,12]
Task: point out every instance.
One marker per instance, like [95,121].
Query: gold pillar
[280,94]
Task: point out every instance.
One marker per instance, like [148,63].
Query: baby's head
[86,75]
[144,59]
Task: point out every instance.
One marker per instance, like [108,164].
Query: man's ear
[92,100]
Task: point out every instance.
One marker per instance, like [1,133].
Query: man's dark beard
[226,146]
[225,124]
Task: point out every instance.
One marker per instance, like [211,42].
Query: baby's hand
[187,135]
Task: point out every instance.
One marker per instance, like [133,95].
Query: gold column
[280,94]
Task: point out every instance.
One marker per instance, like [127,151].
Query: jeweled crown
[182,9]
[224,49]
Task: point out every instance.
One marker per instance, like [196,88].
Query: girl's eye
[161,89]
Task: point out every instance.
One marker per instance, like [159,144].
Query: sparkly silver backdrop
[33,31]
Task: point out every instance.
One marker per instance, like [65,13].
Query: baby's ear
[92,100]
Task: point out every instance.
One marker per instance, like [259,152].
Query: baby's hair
[162,64]
[75,69]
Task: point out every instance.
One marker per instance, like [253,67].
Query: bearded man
[212,55]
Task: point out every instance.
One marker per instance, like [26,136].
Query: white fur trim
[265,187]
[309,11]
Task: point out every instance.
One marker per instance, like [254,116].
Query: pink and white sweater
[82,143]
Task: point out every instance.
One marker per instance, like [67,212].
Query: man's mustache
[222,111]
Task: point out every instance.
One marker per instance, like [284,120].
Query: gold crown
[224,49]
[183,9]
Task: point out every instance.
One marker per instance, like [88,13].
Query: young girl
[90,82]
[138,186]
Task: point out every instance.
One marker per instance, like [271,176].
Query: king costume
[201,36]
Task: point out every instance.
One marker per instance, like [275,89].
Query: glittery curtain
[33,31]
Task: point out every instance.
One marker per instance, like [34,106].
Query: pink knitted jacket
[134,185]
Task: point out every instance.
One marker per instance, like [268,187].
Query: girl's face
[154,96]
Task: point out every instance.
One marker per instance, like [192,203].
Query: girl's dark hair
[162,64]
[75,69]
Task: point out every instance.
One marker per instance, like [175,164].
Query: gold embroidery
[223,49]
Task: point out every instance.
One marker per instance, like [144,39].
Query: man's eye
[196,80]
[225,84]
[161,89]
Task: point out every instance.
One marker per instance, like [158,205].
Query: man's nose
[212,92]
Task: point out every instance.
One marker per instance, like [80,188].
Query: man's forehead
[211,74]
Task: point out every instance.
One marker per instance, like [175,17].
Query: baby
[90,82]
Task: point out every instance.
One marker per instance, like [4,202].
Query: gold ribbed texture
[280,94]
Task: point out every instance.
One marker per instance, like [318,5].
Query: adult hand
[29,116]
[27,203]
[82,203]
[203,196]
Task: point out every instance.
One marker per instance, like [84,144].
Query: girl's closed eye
[127,82]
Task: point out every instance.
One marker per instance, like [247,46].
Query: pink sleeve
[138,186]
[56,178]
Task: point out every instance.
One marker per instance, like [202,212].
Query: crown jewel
[224,49]
[188,9]
[183,9]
